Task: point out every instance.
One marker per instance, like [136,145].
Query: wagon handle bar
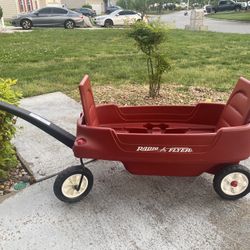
[48,127]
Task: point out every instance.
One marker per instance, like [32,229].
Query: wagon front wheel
[232,182]
[73,184]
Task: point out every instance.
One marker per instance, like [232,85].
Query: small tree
[148,38]
[141,6]
[1,12]
[8,158]
[126,4]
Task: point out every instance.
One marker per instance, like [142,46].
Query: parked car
[111,9]
[49,16]
[86,11]
[225,5]
[243,5]
[169,6]
[118,17]
[207,9]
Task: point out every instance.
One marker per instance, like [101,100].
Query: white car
[118,17]
[243,5]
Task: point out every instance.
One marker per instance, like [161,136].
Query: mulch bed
[16,175]
[169,94]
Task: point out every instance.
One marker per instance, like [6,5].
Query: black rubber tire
[108,23]
[237,9]
[26,24]
[224,172]
[69,24]
[62,176]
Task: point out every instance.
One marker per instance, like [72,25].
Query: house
[98,5]
[13,7]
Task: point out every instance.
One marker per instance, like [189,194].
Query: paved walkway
[43,154]
[123,211]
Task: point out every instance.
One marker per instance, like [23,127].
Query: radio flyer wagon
[156,140]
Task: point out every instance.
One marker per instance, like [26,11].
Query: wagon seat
[237,109]
[235,113]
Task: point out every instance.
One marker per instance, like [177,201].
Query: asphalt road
[178,20]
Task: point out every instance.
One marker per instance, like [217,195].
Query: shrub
[8,158]
[148,38]
[87,6]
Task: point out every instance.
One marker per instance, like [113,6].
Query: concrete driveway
[126,212]
[123,211]
[178,20]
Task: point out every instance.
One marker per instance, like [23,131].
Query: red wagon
[159,140]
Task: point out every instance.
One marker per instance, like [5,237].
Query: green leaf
[8,158]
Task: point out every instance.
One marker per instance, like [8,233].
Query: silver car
[49,16]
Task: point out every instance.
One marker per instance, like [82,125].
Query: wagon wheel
[232,182]
[73,183]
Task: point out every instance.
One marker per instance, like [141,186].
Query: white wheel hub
[234,183]
[71,184]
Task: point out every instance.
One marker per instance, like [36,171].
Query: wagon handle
[47,126]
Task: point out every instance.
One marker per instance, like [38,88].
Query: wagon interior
[201,118]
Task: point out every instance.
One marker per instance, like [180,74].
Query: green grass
[48,60]
[238,16]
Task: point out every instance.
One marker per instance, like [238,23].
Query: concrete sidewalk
[43,154]
[123,211]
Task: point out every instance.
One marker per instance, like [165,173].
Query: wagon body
[166,140]
[156,140]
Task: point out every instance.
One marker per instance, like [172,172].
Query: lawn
[48,60]
[238,16]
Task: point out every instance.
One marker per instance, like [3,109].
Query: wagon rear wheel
[73,184]
[232,182]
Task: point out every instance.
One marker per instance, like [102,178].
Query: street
[178,20]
